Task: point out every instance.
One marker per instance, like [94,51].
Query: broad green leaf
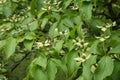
[94,47]
[58,45]
[67,22]
[86,10]
[56,16]
[51,70]
[87,74]
[34,25]
[66,3]
[26,21]
[80,31]
[115,50]
[44,22]
[28,44]
[41,61]
[80,78]
[77,20]
[73,32]
[38,73]
[52,30]
[2,44]
[116,72]
[10,46]
[8,8]
[69,44]
[104,69]
[71,63]
[60,64]
[30,36]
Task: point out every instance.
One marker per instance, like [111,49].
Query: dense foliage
[59,39]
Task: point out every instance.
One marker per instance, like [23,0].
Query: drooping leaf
[87,74]
[58,45]
[86,10]
[28,44]
[41,61]
[51,70]
[69,44]
[38,73]
[104,69]
[66,3]
[60,64]
[94,47]
[52,30]
[34,25]
[71,63]
[10,46]
[2,44]
[44,22]
[30,36]
[115,50]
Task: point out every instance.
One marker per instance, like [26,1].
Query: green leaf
[44,22]
[94,47]
[58,45]
[80,78]
[67,22]
[33,25]
[28,44]
[66,3]
[2,44]
[86,10]
[51,70]
[69,44]
[105,68]
[80,31]
[115,50]
[30,36]
[38,73]
[71,63]
[41,61]
[52,30]
[60,64]
[10,46]
[87,74]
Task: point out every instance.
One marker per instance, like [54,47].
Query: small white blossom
[108,25]
[103,29]
[102,39]
[114,24]
[85,44]
[39,44]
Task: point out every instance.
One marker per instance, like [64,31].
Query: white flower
[102,39]
[108,25]
[103,29]
[85,44]
[39,44]
[114,23]
[99,26]
[56,29]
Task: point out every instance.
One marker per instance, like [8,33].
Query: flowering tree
[59,40]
